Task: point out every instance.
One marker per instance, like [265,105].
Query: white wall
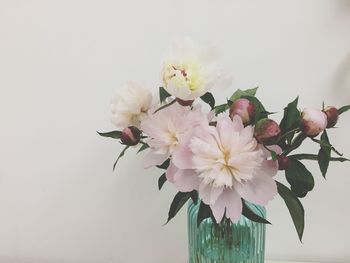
[61,61]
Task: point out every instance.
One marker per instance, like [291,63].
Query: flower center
[184,75]
[226,166]
[173,138]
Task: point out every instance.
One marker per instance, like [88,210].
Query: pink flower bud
[283,162]
[130,136]
[244,109]
[313,122]
[332,116]
[267,131]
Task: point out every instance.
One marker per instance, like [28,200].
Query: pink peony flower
[225,163]
[166,128]
[313,122]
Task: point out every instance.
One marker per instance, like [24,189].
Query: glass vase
[241,242]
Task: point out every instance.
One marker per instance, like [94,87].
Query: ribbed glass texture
[242,242]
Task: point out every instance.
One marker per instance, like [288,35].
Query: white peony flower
[190,71]
[130,105]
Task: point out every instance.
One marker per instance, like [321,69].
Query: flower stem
[295,144]
[289,132]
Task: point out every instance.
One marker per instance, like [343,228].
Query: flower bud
[244,109]
[283,162]
[313,122]
[130,136]
[332,116]
[267,131]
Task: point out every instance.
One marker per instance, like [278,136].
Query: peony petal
[229,200]
[267,153]
[208,193]
[152,159]
[129,105]
[247,141]
[269,168]
[218,208]
[186,180]
[275,148]
[237,123]
[225,128]
[170,172]
[182,155]
[234,205]
[259,190]
[183,93]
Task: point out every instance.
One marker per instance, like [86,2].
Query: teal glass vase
[241,242]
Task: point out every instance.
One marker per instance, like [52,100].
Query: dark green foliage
[300,178]
[295,208]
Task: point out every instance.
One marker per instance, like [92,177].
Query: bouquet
[221,155]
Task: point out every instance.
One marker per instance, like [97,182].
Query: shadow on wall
[344,5]
[342,80]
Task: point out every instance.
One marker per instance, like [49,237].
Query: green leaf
[111,134]
[296,191]
[164,165]
[240,93]
[300,179]
[326,145]
[165,106]
[294,206]
[274,155]
[194,196]
[179,200]
[120,156]
[248,213]
[343,109]
[324,154]
[290,120]
[314,157]
[163,94]
[221,108]
[143,147]
[204,212]
[162,179]
[209,99]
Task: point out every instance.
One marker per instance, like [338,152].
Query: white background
[61,62]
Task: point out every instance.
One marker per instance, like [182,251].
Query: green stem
[165,106]
[295,144]
[327,145]
[273,153]
[289,132]
[314,157]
